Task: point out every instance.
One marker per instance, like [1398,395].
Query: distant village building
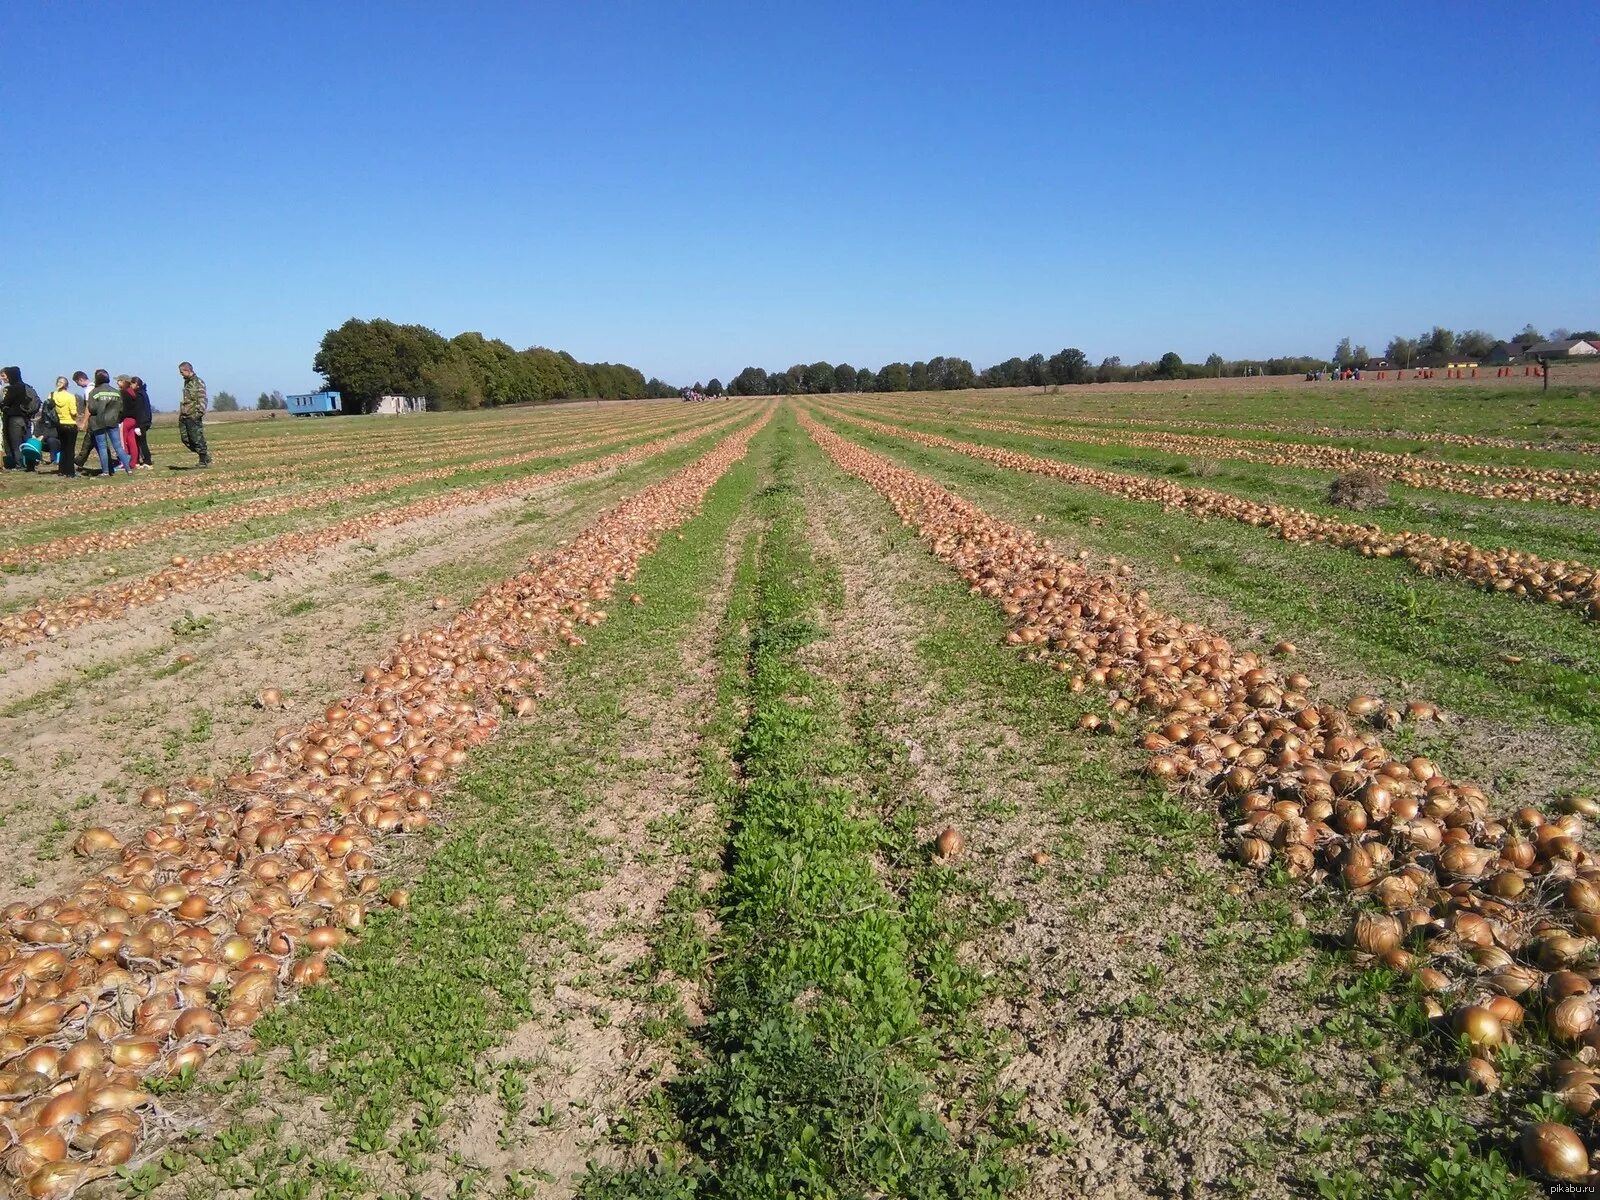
[397,406]
[1507,352]
[1569,348]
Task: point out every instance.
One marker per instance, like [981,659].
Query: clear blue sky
[694,188]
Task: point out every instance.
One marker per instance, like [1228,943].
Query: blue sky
[694,188]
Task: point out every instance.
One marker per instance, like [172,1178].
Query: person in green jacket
[105,424]
[192,413]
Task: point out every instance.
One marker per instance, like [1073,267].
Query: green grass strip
[813,1078]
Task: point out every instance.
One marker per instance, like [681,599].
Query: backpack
[32,401]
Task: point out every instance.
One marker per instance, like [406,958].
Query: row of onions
[152,487]
[1542,484]
[250,885]
[1304,429]
[206,520]
[1559,582]
[115,600]
[1495,918]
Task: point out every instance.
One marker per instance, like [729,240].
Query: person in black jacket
[19,406]
[144,417]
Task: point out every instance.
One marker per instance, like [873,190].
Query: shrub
[1359,489]
[1203,468]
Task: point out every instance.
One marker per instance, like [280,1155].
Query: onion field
[1071,793]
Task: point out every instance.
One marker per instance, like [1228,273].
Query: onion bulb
[1553,1151]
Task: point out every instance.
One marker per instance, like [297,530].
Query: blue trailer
[317,404]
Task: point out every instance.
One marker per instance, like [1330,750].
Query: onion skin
[949,843]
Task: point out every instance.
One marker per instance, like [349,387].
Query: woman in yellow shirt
[66,406]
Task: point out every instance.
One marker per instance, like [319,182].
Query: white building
[395,406]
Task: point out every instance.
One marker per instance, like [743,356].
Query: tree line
[1072,365]
[941,373]
[364,360]
[1439,344]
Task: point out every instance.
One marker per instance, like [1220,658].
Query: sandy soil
[89,725]
[592,1071]
[1146,1106]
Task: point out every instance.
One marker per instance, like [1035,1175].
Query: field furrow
[115,601]
[239,879]
[1565,584]
[1436,872]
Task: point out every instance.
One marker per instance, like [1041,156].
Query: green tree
[1170,366]
[268,401]
[1214,365]
[955,373]
[1439,340]
[1401,350]
[752,381]
[866,380]
[1037,373]
[920,380]
[225,402]
[1343,355]
[821,378]
[714,388]
[1110,370]
[844,378]
[1529,335]
[894,377]
[1069,366]
[1475,343]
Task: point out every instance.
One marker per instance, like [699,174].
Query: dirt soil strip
[595,1064]
[87,747]
[210,519]
[202,533]
[1094,1074]
[107,603]
[235,475]
[531,612]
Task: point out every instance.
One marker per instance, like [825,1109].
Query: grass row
[834,973]
[1048,413]
[1565,412]
[1550,530]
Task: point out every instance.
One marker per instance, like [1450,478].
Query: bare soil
[1141,1103]
[108,710]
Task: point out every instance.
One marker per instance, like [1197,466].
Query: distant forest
[367,359]
[1074,366]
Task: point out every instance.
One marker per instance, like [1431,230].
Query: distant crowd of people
[110,417]
[1334,373]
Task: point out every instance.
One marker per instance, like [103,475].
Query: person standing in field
[19,406]
[105,422]
[192,413]
[80,380]
[65,402]
[145,417]
[46,430]
[128,427]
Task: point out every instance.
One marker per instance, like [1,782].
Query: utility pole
[1544,369]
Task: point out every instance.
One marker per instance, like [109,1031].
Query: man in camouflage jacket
[192,413]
